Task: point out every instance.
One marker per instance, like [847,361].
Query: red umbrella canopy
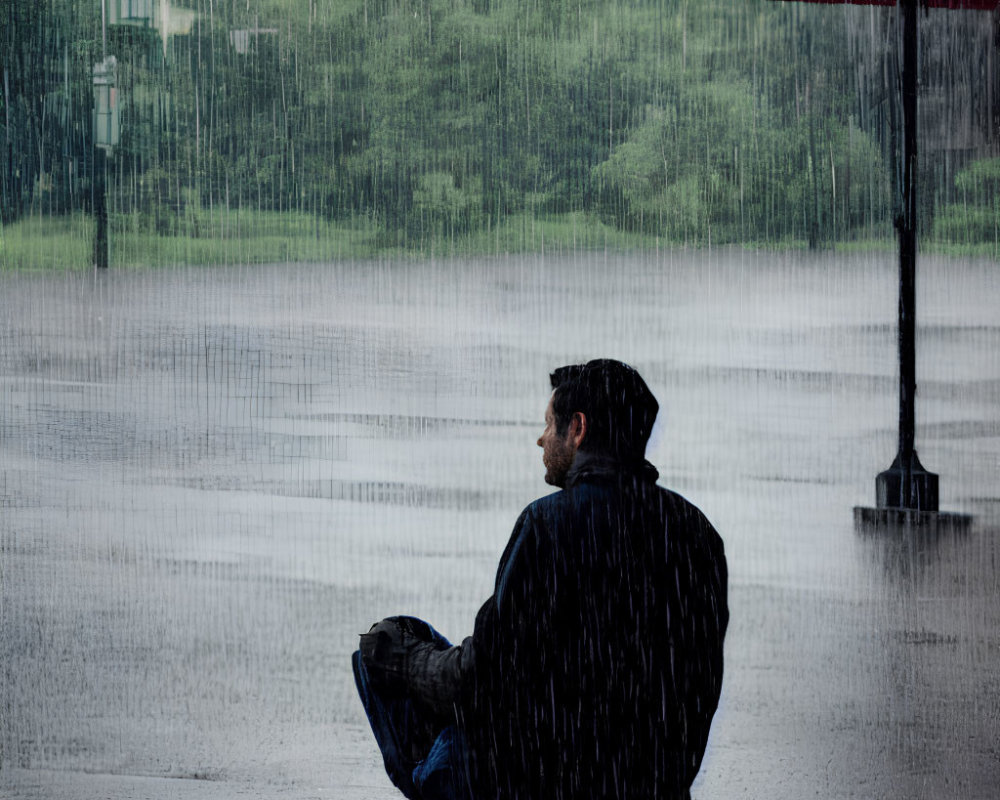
[976,5]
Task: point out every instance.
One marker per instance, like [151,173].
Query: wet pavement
[212,480]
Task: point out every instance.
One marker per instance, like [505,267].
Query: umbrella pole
[906,493]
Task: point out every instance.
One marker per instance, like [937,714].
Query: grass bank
[207,238]
[44,243]
[257,237]
[526,233]
[216,237]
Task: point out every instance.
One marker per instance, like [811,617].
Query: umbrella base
[900,519]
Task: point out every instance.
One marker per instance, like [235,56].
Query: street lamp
[107,125]
[107,130]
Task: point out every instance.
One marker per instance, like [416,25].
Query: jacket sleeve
[509,621]
[402,661]
[437,677]
[512,636]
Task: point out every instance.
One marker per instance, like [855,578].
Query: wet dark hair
[619,407]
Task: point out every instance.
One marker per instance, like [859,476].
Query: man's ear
[577,429]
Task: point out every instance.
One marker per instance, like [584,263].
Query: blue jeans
[423,758]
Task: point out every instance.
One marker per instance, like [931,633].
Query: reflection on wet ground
[212,480]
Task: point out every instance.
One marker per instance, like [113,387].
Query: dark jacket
[596,666]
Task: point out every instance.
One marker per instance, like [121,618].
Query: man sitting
[595,668]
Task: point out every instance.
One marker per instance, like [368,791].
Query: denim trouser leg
[423,759]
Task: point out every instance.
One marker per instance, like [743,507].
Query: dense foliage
[696,122]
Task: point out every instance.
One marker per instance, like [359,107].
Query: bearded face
[557,451]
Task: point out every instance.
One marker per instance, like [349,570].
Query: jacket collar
[606,467]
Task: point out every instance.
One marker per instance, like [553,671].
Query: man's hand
[385,652]
[400,657]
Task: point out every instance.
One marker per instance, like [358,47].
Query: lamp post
[106,122]
[106,132]
[106,136]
